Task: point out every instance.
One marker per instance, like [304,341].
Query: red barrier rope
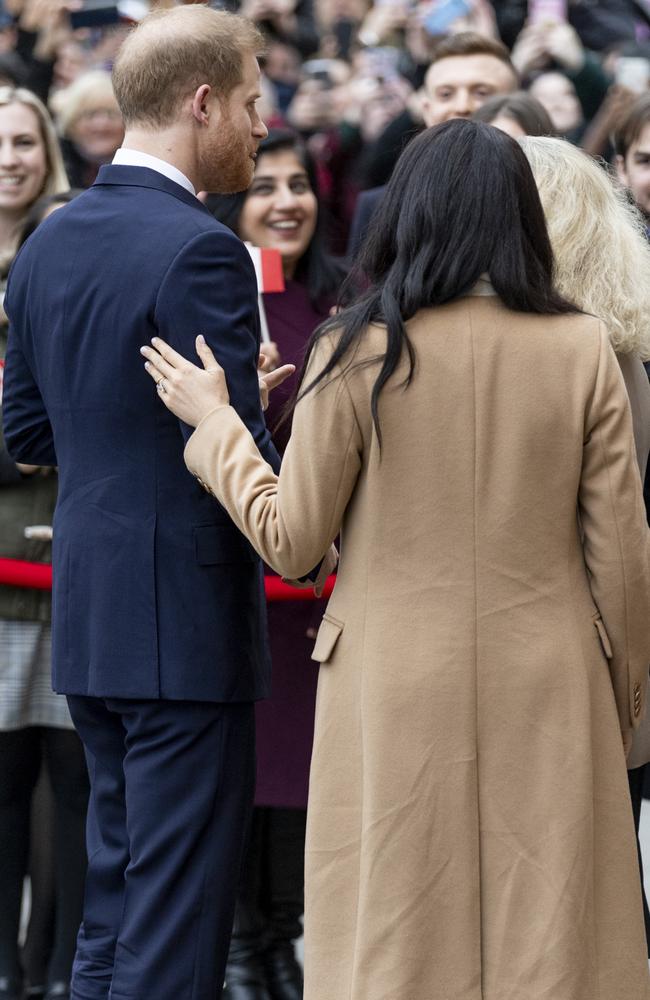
[38,576]
[17,573]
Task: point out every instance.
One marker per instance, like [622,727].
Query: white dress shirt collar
[136,158]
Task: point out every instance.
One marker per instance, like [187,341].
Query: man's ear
[200,103]
[621,172]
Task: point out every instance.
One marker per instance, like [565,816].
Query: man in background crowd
[632,147]
[466,71]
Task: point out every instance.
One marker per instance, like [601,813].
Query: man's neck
[167,145]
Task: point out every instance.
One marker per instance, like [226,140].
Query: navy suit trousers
[171,791]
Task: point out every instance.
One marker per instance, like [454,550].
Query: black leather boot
[245,982]
[245,973]
[283,901]
[283,972]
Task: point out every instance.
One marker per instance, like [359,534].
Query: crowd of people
[346,87]
[354,77]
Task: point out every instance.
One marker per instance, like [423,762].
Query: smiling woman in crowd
[30,163]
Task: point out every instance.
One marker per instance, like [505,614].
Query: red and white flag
[270,278]
[268,268]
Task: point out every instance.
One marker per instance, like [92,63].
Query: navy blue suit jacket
[156,593]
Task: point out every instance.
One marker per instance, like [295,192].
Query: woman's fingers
[264,363]
[156,364]
[172,357]
[271,380]
[153,372]
[208,359]
[185,391]
[275,378]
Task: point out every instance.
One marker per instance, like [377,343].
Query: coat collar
[115,174]
[483,286]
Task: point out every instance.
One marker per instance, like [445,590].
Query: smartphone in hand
[547,11]
[94,14]
[442,15]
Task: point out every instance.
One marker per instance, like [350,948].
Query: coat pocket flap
[326,639]
[604,638]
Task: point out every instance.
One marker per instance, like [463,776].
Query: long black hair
[320,272]
[462,203]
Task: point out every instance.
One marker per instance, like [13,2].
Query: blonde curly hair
[602,256]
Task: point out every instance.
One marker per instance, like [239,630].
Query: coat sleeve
[210,288]
[27,429]
[291,520]
[616,539]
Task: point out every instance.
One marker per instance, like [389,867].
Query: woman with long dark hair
[281,210]
[484,654]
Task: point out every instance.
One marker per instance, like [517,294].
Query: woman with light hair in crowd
[90,125]
[31,165]
[602,263]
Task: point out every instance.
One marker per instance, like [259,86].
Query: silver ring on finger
[160,386]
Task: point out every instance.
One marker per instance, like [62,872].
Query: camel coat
[638,391]
[470,835]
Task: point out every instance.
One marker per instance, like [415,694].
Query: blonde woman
[602,263]
[90,125]
[30,164]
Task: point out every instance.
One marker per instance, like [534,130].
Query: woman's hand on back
[191,392]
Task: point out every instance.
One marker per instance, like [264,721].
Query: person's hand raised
[45,15]
[191,392]
[564,45]
[529,51]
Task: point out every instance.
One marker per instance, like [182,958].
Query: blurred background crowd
[351,76]
[346,84]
